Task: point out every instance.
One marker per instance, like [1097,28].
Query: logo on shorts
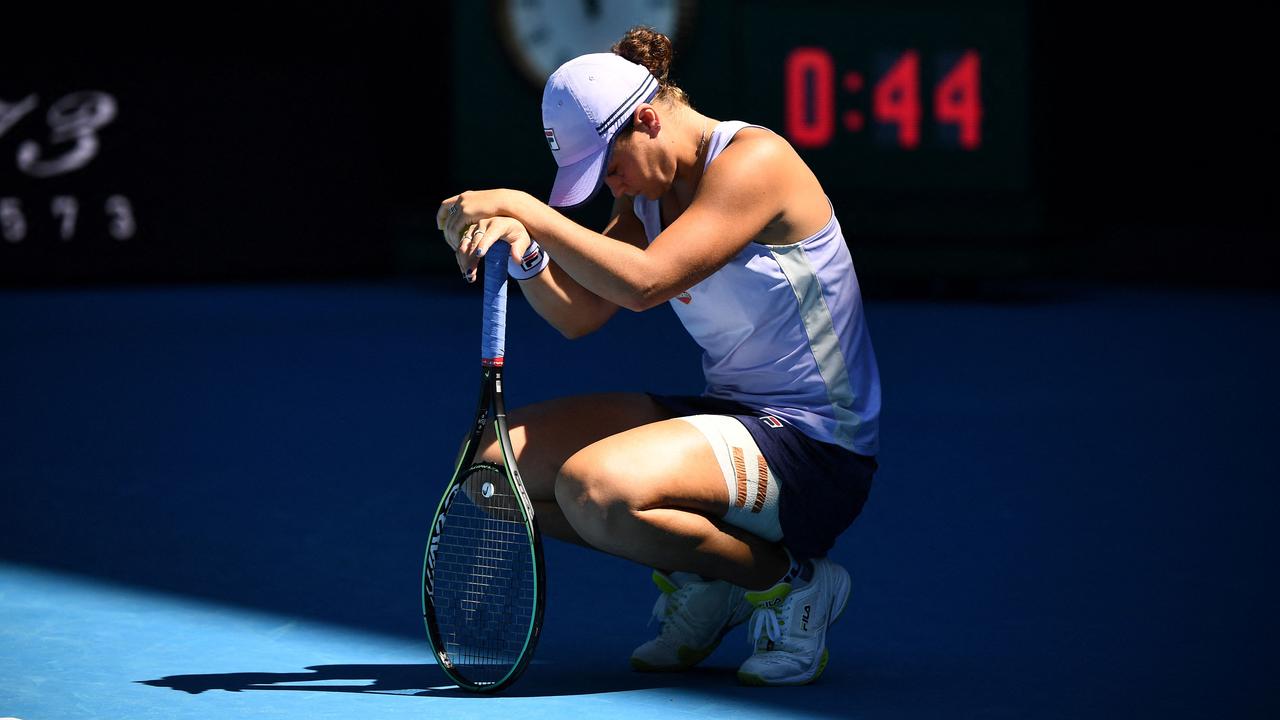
[771,421]
[685,297]
[551,138]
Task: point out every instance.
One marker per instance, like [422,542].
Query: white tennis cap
[584,104]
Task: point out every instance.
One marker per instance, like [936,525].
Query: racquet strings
[484,589]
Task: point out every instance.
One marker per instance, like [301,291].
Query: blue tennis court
[215,501]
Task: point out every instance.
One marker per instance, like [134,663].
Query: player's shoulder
[756,144]
[755,156]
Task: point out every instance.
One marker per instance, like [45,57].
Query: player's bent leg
[544,435]
[657,495]
[654,495]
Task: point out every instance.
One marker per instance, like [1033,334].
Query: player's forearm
[614,270]
[565,304]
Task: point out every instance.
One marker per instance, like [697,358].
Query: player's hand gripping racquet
[483,578]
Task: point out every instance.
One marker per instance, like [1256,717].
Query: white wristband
[534,261]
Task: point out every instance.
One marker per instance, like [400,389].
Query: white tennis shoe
[695,615]
[789,627]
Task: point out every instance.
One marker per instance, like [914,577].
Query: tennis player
[733,497]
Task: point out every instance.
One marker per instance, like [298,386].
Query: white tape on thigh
[753,490]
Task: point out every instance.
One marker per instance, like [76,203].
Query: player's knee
[573,490]
[591,498]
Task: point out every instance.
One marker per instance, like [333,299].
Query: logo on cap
[551,138]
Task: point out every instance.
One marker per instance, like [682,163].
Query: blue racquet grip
[493,326]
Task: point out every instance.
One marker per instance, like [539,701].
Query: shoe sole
[756,681]
[844,587]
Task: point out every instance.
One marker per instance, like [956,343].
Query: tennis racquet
[483,578]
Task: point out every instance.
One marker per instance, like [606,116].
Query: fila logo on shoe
[804,621]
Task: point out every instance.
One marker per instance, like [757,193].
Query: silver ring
[476,234]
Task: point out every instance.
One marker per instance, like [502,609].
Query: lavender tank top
[782,329]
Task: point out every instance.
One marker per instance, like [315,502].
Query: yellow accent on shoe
[769,598]
[822,665]
[664,583]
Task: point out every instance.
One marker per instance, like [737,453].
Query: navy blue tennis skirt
[823,486]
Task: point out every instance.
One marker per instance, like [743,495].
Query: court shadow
[427,680]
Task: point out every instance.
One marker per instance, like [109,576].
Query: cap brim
[578,183]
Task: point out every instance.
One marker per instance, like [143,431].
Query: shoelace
[660,607]
[766,622]
[667,611]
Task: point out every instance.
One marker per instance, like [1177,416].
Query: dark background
[313,140]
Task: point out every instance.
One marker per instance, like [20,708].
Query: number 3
[75,117]
[120,210]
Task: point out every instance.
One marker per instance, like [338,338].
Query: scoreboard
[885,97]
[915,115]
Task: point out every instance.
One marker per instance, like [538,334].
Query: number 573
[65,210]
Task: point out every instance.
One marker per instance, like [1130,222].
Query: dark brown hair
[650,48]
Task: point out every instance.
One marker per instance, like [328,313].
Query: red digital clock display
[898,109]
[879,96]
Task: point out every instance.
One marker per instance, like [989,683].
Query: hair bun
[648,47]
